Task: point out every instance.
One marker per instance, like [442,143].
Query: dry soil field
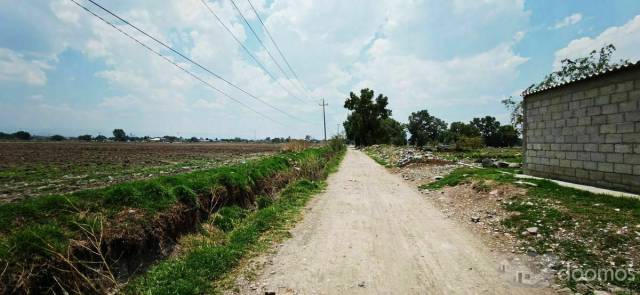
[35,168]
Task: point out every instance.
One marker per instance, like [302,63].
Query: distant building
[587,130]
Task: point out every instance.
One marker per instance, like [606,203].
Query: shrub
[57,137]
[85,137]
[101,138]
[336,144]
[295,146]
[22,135]
[469,143]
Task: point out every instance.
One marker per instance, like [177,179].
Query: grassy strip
[211,258]
[466,175]
[507,154]
[591,230]
[377,158]
[35,231]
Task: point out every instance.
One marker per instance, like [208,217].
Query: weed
[54,221]
[566,219]
[264,201]
[227,217]
[194,272]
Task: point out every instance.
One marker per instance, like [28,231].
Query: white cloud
[626,38]
[567,21]
[397,47]
[417,83]
[14,67]
[65,11]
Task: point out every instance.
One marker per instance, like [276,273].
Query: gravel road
[371,233]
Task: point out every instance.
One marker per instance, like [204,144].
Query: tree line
[120,135]
[370,122]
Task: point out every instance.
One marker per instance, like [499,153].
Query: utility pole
[324,120]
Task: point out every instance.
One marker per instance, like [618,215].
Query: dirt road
[371,233]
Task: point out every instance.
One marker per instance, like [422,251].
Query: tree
[365,120]
[488,127]
[57,137]
[22,135]
[508,136]
[425,128]
[85,137]
[101,138]
[119,135]
[392,132]
[458,130]
[516,111]
[580,67]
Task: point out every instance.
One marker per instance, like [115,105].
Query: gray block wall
[586,132]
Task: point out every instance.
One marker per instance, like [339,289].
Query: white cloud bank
[15,68]
[625,38]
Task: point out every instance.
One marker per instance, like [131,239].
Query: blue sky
[63,71]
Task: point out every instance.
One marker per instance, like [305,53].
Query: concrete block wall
[586,132]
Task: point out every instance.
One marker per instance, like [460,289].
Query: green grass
[466,175]
[195,271]
[30,229]
[376,157]
[590,223]
[205,262]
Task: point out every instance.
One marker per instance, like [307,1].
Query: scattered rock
[600,292]
[475,219]
[362,284]
[532,230]
[488,163]
[565,291]
[438,177]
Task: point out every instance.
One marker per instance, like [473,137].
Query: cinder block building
[586,131]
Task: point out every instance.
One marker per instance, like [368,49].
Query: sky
[64,71]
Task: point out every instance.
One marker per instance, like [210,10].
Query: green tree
[392,132]
[22,135]
[57,137]
[457,130]
[101,138]
[488,127]
[508,136]
[425,128]
[365,120]
[85,137]
[119,135]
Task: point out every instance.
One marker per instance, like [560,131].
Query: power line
[193,62]
[173,63]
[204,2]
[278,47]
[260,41]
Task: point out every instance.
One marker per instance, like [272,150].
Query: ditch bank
[94,240]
